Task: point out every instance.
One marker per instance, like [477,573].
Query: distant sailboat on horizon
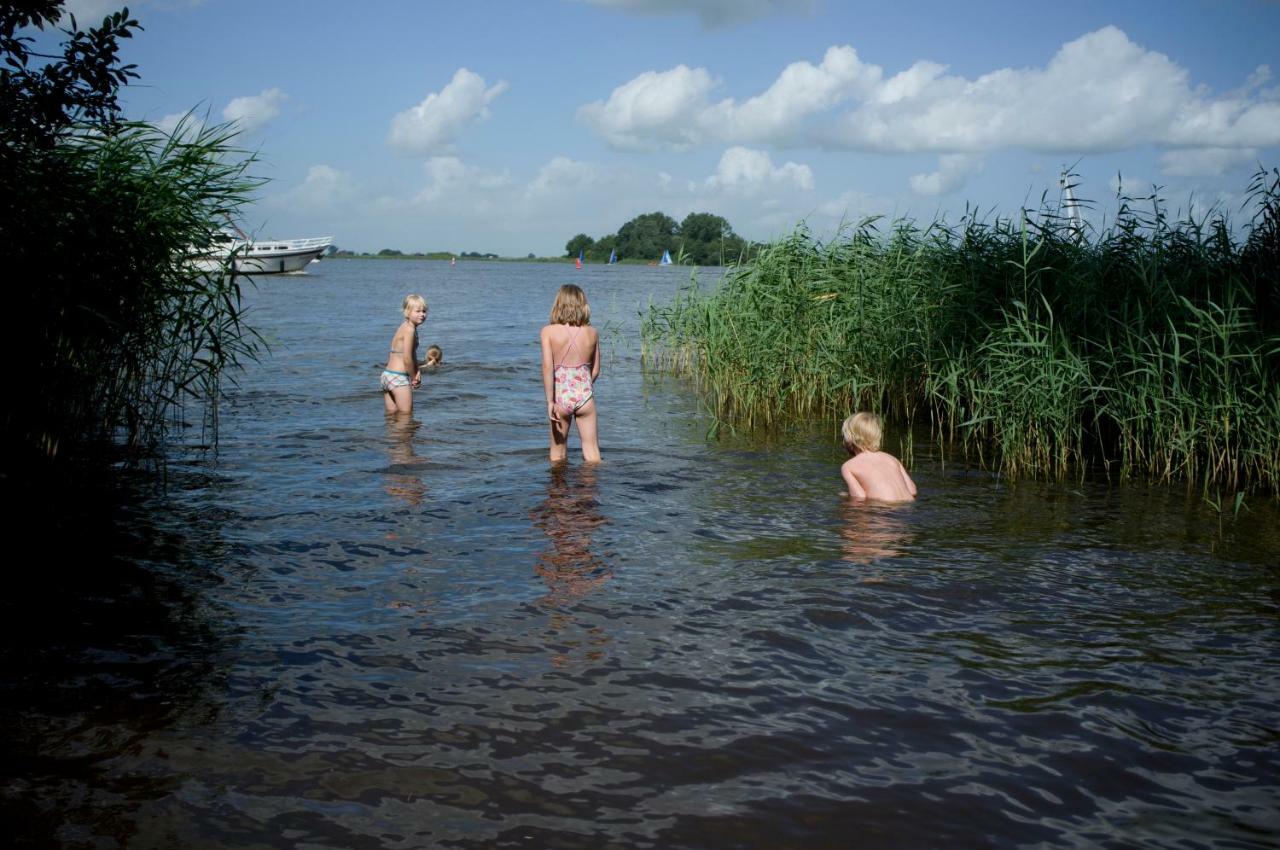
[613,257]
[577,264]
[666,259]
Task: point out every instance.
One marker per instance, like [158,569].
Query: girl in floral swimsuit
[570,366]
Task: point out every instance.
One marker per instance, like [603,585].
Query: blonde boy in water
[871,473]
[403,374]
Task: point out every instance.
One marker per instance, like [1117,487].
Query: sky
[509,127]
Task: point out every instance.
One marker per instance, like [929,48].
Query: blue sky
[511,126]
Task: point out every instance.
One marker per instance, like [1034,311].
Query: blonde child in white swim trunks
[403,374]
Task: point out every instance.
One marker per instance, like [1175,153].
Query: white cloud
[325,190]
[89,13]
[563,176]
[749,171]
[449,178]
[252,113]
[657,108]
[1130,185]
[953,170]
[431,127]
[170,122]
[802,89]
[712,13]
[1206,162]
[1100,92]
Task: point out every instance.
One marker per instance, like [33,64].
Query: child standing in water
[403,374]
[871,473]
[570,366]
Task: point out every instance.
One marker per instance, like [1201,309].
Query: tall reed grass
[113,332]
[1151,348]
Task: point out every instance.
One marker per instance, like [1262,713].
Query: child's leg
[400,400]
[587,432]
[559,438]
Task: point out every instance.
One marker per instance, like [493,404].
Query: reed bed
[120,335]
[1150,348]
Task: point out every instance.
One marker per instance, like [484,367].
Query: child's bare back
[871,473]
[877,476]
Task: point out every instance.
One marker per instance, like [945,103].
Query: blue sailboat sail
[613,257]
[666,259]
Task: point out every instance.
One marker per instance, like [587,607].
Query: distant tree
[581,242]
[599,252]
[647,236]
[390,252]
[532,256]
[709,240]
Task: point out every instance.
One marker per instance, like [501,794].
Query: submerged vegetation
[1151,349]
[115,330]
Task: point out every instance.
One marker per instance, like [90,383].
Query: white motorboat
[261,256]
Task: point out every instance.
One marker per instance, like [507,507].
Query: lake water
[340,632]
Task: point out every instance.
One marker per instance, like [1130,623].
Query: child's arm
[851,481]
[411,359]
[548,374]
[595,360]
[911,485]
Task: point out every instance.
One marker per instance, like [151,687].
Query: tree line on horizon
[702,239]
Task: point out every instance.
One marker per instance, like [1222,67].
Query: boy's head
[571,307]
[434,355]
[861,433]
[412,302]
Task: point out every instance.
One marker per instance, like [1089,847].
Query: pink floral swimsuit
[572,383]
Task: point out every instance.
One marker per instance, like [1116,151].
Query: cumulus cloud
[712,13]
[89,13]
[252,113]
[325,189]
[953,170]
[749,171]
[171,122]
[431,127]
[656,109]
[448,176]
[1100,92]
[1206,162]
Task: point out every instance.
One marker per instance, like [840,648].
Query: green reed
[116,331]
[1151,348]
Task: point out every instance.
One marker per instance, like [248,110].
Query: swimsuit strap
[573,341]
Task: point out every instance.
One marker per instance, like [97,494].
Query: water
[344,633]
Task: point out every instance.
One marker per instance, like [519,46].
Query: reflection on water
[569,565]
[403,480]
[873,532]
[358,633]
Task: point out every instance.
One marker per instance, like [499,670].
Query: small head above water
[862,432]
[434,355]
[571,307]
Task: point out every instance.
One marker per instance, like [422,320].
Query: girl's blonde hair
[411,301]
[571,307]
[862,431]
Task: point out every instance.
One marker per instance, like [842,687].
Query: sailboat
[577,264]
[613,257]
[666,259]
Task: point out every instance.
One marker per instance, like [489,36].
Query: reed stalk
[1150,349]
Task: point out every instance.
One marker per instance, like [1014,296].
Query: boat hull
[267,257]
